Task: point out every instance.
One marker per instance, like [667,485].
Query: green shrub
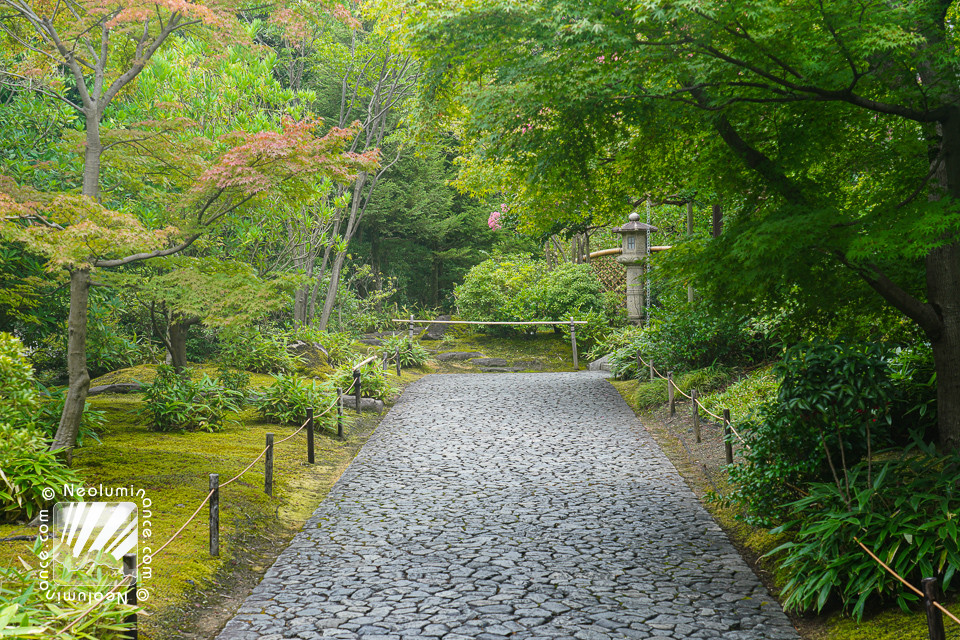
[693,336]
[412,353]
[26,613]
[250,350]
[568,289]
[614,340]
[19,401]
[26,467]
[705,380]
[746,395]
[234,382]
[904,510]
[177,403]
[651,394]
[286,400]
[373,382]
[832,405]
[339,347]
[501,289]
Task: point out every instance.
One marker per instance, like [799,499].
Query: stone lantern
[636,248]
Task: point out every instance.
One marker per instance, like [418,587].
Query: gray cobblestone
[510,505]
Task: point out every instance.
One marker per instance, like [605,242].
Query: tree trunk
[177,331]
[332,290]
[66,436]
[93,149]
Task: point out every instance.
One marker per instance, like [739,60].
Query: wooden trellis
[612,276]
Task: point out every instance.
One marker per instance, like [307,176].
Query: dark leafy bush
[339,347]
[26,467]
[904,510]
[286,400]
[832,406]
[694,336]
[234,382]
[501,289]
[705,380]
[177,403]
[614,340]
[412,353]
[250,350]
[567,289]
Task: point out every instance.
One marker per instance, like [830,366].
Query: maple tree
[103,47]
[835,143]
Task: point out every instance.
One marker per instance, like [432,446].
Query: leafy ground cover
[188,587]
[702,468]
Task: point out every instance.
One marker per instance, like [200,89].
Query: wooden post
[356,388]
[573,344]
[670,394]
[339,412]
[215,514]
[130,569]
[310,455]
[931,594]
[398,359]
[268,467]
[696,414]
[727,443]
[410,329]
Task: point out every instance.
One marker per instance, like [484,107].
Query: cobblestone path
[510,505]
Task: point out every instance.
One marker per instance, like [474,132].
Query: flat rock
[118,387]
[311,354]
[437,331]
[490,362]
[373,342]
[457,356]
[366,404]
[502,369]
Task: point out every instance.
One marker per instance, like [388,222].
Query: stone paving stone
[510,506]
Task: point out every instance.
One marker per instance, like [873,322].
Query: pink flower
[494,221]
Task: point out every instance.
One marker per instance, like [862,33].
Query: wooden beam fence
[571,323]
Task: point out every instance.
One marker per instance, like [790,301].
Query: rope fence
[212,498]
[929,592]
[698,406]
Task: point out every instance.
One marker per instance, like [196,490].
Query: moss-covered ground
[542,351]
[190,592]
[754,543]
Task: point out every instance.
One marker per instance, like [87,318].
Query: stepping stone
[457,356]
[437,331]
[490,362]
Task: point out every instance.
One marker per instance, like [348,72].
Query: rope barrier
[206,499]
[689,397]
[905,583]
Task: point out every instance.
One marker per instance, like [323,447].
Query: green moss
[550,350]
